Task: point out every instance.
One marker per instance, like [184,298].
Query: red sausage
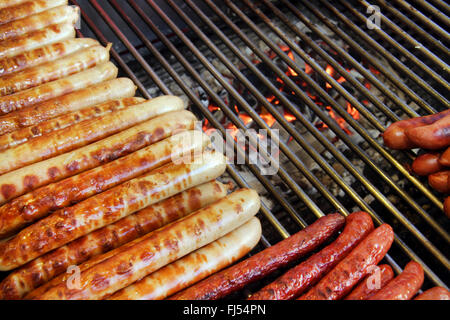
[444,160]
[382,275]
[447,207]
[404,286]
[436,293]
[297,280]
[261,264]
[427,163]
[395,136]
[439,181]
[340,280]
[433,136]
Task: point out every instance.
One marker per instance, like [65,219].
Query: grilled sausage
[105,208]
[18,182]
[294,282]
[433,136]
[155,250]
[366,288]
[263,263]
[26,98]
[439,181]
[436,293]
[50,71]
[444,159]
[28,8]
[52,264]
[395,136]
[45,54]
[30,207]
[341,279]
[23,135]
[404,286]
[426,164]
[447,207]
[85,132]
[61,14]
[77,100]
[195,266]
[36,39]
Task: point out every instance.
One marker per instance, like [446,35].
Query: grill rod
[430,72]
[385,53]
[428,7]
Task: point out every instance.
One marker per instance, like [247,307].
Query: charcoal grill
[332,64]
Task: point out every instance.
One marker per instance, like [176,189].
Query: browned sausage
[77,100]
[382,275]
[161,247]
[41,55]
[436,293]
[433,136]
[85,132]
[53,89]
[26,179]
[36,39]
[53,70]
[444,160]
[61,14]
[447,207]
[404,286]
[294,282]
[341,279]
[32,206]
[195,266]
[439,181]
[28,8]
[263,263]
[23,135]
[395,135]
[50,265]
[426,164]
[10,3]
[70,223]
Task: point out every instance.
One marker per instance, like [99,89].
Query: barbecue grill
[324,79]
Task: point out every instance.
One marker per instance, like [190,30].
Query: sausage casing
[367,288]
[32,206]
[161,247]
[41,55]
[61,14]
[49,90]
[439,181]
[433,136]
[341,279]
[18,182]
[105,208]
[294,282]
[426,164]
[436,293]
[56,262]
[36,39]
[28,8]
[86,132]
[261,264]
[74,101]
[195,266]
[53,70]
[404,286]
[23,135]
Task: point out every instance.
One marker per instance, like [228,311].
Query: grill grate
[172,47]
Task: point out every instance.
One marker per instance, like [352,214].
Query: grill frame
[178,35]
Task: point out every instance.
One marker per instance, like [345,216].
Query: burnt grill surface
[324,78]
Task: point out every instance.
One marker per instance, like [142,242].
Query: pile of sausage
[93,180]
[432,135]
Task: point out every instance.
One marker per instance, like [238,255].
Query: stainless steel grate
[382,74]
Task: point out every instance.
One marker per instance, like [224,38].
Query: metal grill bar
[184,39]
